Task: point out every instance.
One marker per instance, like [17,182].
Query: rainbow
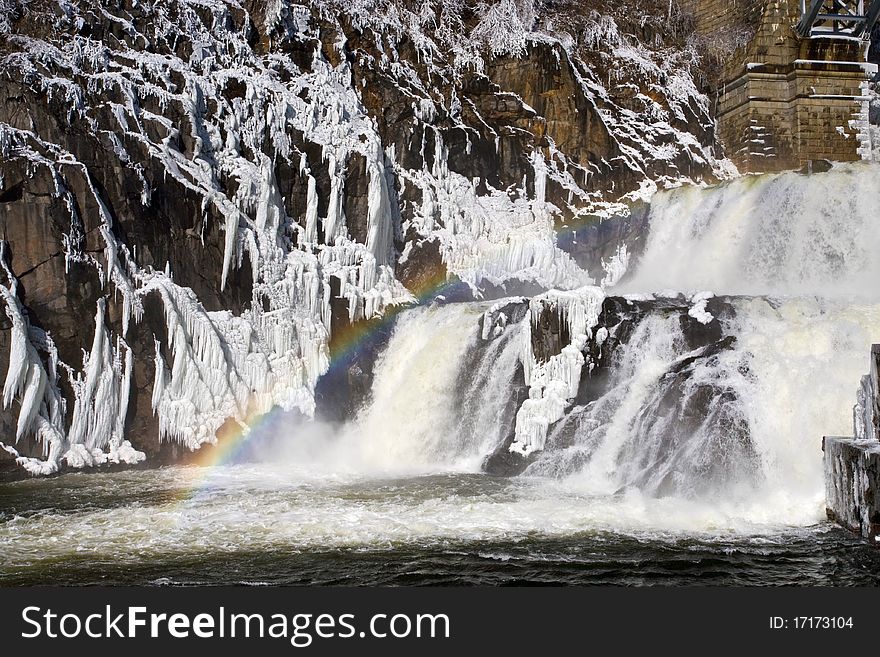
[235,436]
[346,343]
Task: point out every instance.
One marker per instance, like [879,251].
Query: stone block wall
[783,101]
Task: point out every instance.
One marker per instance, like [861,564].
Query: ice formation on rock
[851,463]
[225,117]
[28,382]
[866,412]
[101,394]
[100,391]
[554,383]
[493,236]
[698,309]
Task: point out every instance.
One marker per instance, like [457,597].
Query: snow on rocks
[493,236]
[698,309]
[167,104]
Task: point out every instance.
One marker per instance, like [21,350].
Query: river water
[258,524]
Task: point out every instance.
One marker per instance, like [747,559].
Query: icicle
[270,209]
[159,378]
[334,227]
[230,234]
[379,228]
[311,235]
[26,378]
[124,392]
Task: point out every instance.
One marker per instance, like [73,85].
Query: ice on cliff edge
[100,390]
[215,365]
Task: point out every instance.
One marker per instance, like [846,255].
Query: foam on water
[256,508]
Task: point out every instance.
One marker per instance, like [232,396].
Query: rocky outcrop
[692,405]
[852,477]
[197,197]
[866,413]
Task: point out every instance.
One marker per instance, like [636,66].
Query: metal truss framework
[855,18]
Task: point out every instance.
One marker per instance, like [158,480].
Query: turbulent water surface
[259,524]
[710,478]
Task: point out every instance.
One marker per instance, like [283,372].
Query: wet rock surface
[680,407]
[345,388]
[852,465]
[117,143]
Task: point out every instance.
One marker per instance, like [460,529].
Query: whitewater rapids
[800,254]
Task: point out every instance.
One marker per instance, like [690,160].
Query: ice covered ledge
[852,465]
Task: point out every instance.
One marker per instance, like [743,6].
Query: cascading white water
[656,429]
[805,357]
[439,394]
[599,431]
[409,420]
[487,399]
[811,242]
[811,246]
[785,234]
[764,405]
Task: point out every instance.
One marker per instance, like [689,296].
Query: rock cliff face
[198,198]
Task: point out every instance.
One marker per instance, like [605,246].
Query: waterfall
[671,421]
[784,234]
[441,395]
[806,251]
[737,418]
[744,422]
